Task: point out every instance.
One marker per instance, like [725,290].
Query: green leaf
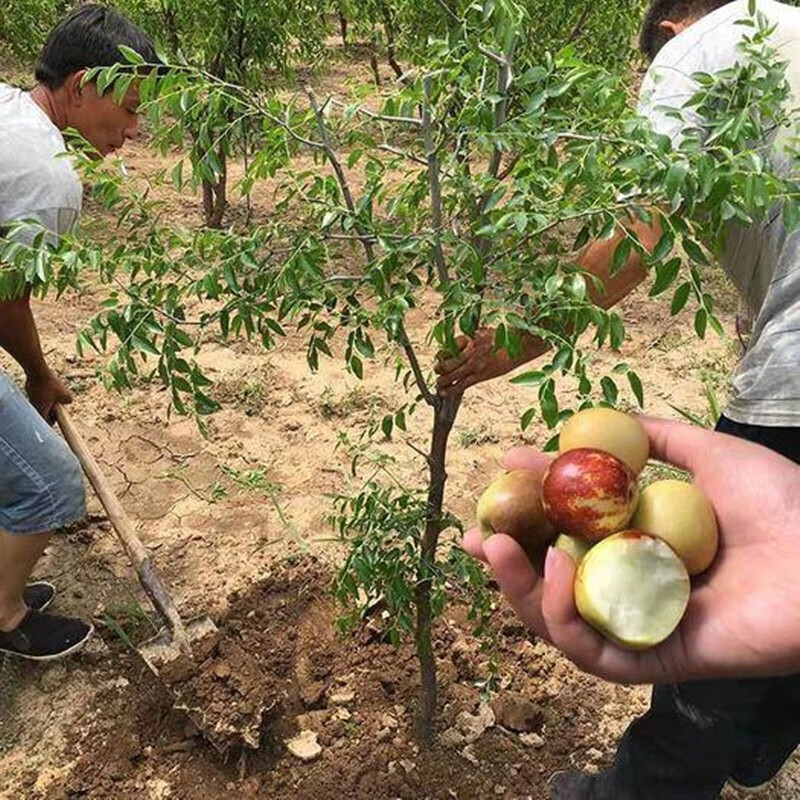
[551,445]
[617,331]
[131,56]
[791,215]
[680,298]
[549,404]
[529,378]
[496,197]
[664,246]
[636,388]
[621,255]
[610,391]
[177,175]
[694,251]
[676,175]
[386,426]
[665,276]
[527,418]
[700,322]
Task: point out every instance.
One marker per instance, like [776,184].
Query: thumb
[678,443]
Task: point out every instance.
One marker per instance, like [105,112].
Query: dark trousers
[697,735]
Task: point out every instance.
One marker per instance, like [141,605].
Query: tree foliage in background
[602,32]
[246,42]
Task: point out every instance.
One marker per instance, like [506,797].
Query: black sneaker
[39,595]
[42,637]
[572,784]
[759,769]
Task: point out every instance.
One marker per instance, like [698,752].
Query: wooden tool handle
[137,552]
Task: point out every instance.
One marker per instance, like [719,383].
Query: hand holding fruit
[743,616]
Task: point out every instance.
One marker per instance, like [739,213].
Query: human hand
[45,390]
[478,361]
[743,618]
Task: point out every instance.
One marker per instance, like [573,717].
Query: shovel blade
[169,661]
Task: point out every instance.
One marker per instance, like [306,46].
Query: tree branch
[433,180]
[419,451]
[409,156]
[380,117]
[578,29]
[341,178]
[500,115]
[411,355]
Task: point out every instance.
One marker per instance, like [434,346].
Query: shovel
[173,653]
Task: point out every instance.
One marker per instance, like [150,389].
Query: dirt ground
[237,524]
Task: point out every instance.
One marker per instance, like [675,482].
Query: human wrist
[37,370]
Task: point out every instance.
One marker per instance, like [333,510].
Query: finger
[575,638]
[526,458]
[685,446]
[447,365]
[462,343]
[518,580]
[458,376]
[472,543]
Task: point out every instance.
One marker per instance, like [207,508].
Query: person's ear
[672,28]
[74,86]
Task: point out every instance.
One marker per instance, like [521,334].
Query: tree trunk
[215,200]
[443,419]
[388,27]
[343,29]
[373,62]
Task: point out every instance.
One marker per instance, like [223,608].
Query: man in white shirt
[41,488]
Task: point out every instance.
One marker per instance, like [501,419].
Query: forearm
[19,337]
[598,257]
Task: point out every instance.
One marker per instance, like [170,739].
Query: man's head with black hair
[665,19]
[90,36]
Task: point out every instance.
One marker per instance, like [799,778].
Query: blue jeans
[41,485]
[697,735]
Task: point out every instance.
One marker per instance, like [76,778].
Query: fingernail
[549,561]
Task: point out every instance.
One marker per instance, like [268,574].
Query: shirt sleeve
[666,90]
[53,222]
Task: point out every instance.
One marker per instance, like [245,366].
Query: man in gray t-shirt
[699,735]
[41,488]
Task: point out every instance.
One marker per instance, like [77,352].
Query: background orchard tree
[403,31]
[469,192]
[245,42]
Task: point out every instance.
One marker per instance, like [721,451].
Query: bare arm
[477,360]
[20,339]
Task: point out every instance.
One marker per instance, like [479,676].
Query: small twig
[500,114]
[411,355]
[419,451]
[347,279]
[410,156]
[433,180]
[578,29]
[379,117]
[339,172]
